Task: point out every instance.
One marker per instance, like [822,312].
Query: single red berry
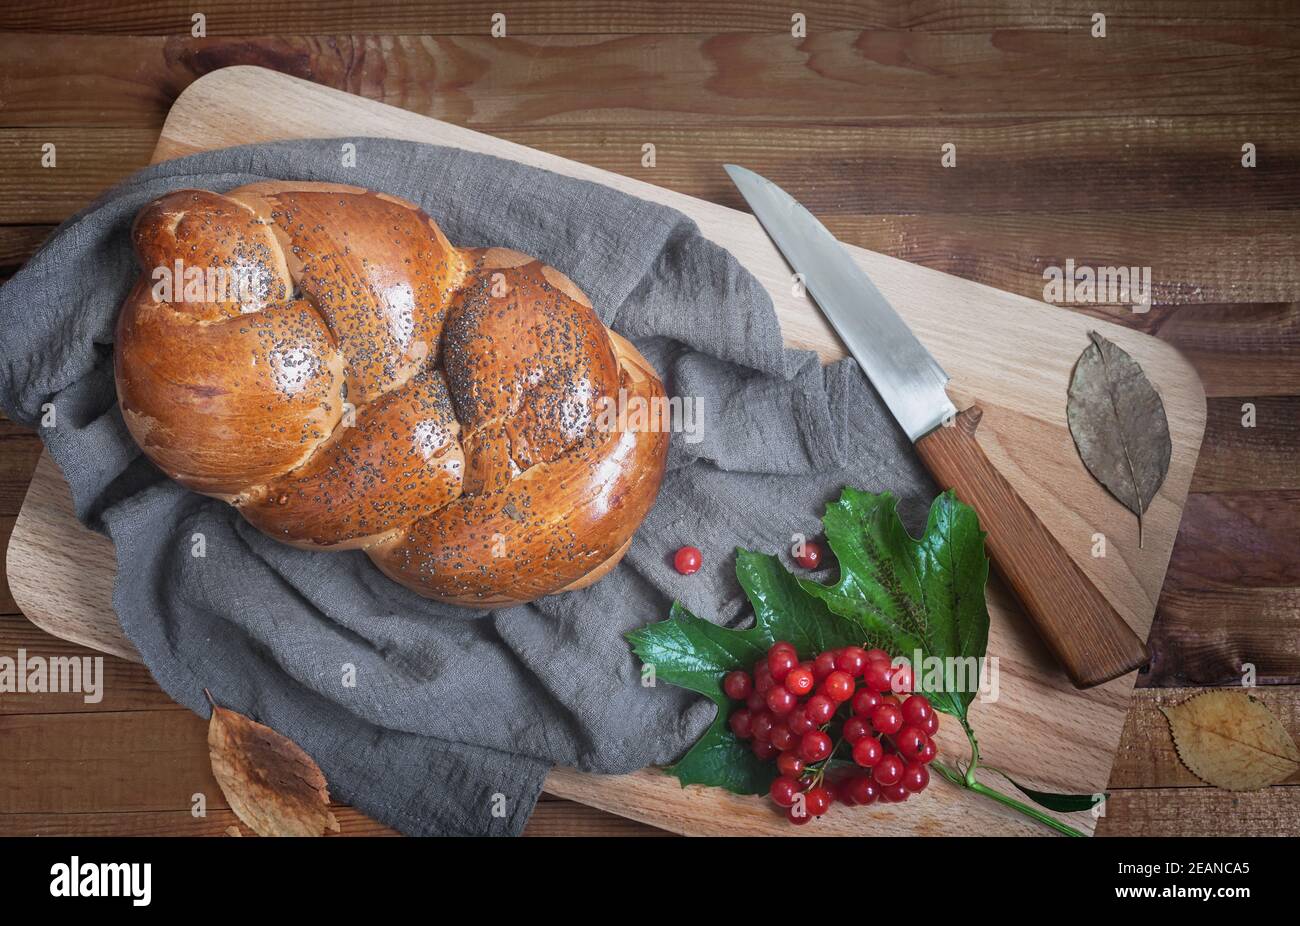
[877,675]
[780,702]
[823,665]
[928,753]
[782,737]
[757,701]
[798,721]
[838,686]
[915,777]
[910,741]
[902,680]
[820,709]
[810,557]
[894,794]
[817,801]
[855,728]
[797,814]
[931,724]
[861,790]
[763,681]
[851,659]
[780,662]
[789,764]
[865,701]
[763,749]
[868,752]
[887,718]
[737,685]
[814,746]
[741,723]
[888,770]
[783,791]
[800,681]
[762,723]
[916,709]
[688,560]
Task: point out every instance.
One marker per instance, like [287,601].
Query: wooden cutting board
[1012,354]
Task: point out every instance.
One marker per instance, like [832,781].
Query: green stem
[968,781]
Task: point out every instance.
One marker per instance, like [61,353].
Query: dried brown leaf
[271,784]
[1119,425]
[1231,740]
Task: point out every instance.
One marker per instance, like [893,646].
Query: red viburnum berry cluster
[801,713]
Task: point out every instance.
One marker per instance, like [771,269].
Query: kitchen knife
[1082,629]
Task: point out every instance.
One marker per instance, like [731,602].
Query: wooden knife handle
[1080,626]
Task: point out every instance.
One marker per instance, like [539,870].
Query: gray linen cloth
[455,716]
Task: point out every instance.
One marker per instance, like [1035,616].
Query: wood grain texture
[86,163]
[1081,628]
[1238,349]
[1240,457]
[1149,812]
[550,818]
[234,17]
[1030,414]
[832,77]
[124,685]
[1208,634]
[1208,229]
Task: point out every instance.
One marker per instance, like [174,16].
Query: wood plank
[1237,349]
[842,77]
[105,762]
[1230,596]
[1205,635]
[1236,458]
[163,823]
[1201,812]
[1239,539]
[525,17]
[88,161]
[1183,201]
[124,685]
[1193,256]
[550,818]
[18,242]
[1129,164]
[1146,757]
[20,448]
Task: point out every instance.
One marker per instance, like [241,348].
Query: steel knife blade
[908,378]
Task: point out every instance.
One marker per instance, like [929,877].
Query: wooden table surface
[1116,150]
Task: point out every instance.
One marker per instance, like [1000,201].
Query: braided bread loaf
[368,385]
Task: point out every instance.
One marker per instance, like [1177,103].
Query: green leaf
[691,653]
[784,611]
[923,595]
[1061,803]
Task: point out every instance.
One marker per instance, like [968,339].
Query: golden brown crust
[370,386]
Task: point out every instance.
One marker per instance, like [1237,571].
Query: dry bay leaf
[271,784]
[1230,740]
[1119,425]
